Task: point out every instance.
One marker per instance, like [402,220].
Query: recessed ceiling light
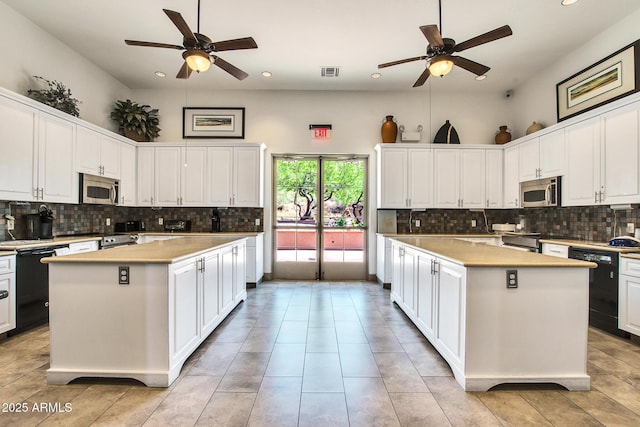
[482,77]
[160,74]
[568,2]
[266,74]
[376,75]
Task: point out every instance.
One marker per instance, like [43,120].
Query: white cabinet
[511,188]
[383,260]
[56,180]
[236,176]
[128,181]
[581,185]
[459,178]
[88,246]
[405,177]
[629,295]
[552,249]
[494,179]
[450,308]
[7,293]
[543,156]
[167,171]
[183,303]
[97,153]
[145,176]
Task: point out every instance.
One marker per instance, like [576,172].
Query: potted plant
[135,121]
[57,96]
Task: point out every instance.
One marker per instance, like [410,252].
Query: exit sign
[320,133]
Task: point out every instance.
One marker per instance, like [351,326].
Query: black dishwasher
[32,287]
[603,288]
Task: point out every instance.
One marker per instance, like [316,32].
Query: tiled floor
[315,354]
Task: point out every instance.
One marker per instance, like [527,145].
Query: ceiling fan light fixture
[568,2]
[197,60]
[440,66]
[481,77]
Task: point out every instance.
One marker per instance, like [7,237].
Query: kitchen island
[139,311]
[494,314]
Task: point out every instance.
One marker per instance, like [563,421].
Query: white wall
[27,50]
[536,98]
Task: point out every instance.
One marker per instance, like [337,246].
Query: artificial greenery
[140,119]
[56,96]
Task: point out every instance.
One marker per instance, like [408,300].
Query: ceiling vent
[330,72]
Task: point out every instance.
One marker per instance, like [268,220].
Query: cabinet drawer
[560,251]
[75,248]
[630,267]
[7,264]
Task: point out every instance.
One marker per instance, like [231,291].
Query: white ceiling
[297,37]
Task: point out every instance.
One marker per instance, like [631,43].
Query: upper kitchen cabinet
[145,176]
[97,153]
[460,177]
[602,159]
[543,156]
[127,189]
[404,176]
[511,187]
[494,178]
[237,178]
[57,181]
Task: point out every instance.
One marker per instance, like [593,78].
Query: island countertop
[471,254]
[158,252]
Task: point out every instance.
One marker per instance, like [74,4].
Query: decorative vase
[535,126]
[132,134]
[503,136]
[389,130]
[446,134]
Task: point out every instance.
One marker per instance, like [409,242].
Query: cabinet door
[529,160]
[425,295]
[146,176]
[397,252]
[493,179]
[420,178]
[18,143]
[552,152]
[450,308]
[620,156]
[219,176]
[472,176]
[511,187]
[193,180]
[7,305]
[56,172]
[629,310]
[240,273]
[446,178]
[408,280]
[227,279]
[210,292]
[127,175]
[247,177]
[392,179]
[88,151]
[582,181]
[110,156]
[183,309]
[168,166]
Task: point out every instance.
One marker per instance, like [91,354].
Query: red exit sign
[320,132]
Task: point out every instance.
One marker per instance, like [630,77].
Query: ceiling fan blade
[433,35]
[184,72]
[469,65]
[423,77]
[231,69]
[235,44]
[402,61]
[490,36]
[180,23]
[153,44]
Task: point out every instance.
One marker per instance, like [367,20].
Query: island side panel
[535,333]
[100,328]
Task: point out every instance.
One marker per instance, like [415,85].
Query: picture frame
[213,122]
[611,78]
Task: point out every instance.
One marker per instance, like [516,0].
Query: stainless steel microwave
[98,190]
[540,193]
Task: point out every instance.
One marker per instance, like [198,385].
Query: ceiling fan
[439,55]
[198,48]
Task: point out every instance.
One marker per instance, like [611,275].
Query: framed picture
[614,77]
[213,122]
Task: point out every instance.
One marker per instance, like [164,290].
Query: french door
[320,210]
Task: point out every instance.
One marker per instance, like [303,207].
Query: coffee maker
[215,221]
[40,225]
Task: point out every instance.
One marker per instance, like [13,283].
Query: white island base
[143,330]
[488,333]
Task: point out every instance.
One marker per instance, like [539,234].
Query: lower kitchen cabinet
[629,295]
[7,292]
[560,251]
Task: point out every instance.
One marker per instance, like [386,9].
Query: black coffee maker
[40,225]
[215,221]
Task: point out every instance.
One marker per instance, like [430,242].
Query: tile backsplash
[84,219]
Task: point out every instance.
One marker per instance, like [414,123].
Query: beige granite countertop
[159,252]
[630,255]
[7,253]
[11,245]
[196,233]
[603,246]
[472,254]
[458,236]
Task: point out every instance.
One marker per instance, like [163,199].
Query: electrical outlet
[512,279]
[108,221]
[123,275]
[258,222]
[631,227]
[160,221]
[417,223]
[473,223]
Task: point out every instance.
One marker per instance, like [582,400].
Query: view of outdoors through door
[320,237]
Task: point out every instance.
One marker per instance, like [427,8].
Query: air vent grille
[330,72]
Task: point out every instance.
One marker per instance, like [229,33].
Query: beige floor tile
[559,410]
[227,410]
[322,373]
[603,408]
[511,409]
[277,402]
[418,410]
[368,403]
[286,360]
[314,410]
[357,361]
[399,374]
[133,408]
